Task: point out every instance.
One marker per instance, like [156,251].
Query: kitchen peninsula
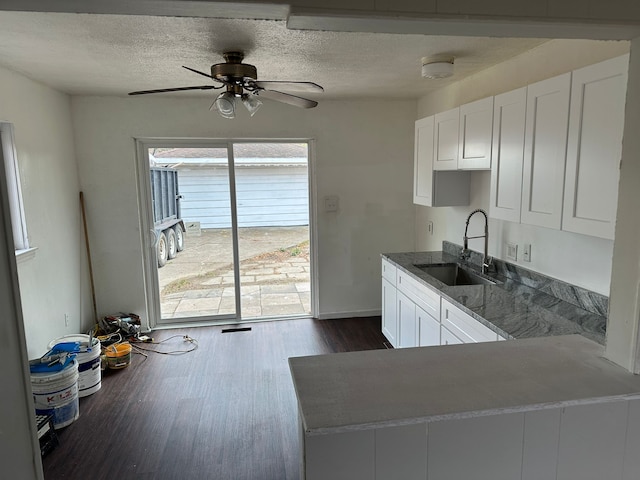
[541,408]
[543,405]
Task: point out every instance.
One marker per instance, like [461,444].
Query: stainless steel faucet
[486,260]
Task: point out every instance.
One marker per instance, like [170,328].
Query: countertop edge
[466,415]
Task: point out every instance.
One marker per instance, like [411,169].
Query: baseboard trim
[337,315]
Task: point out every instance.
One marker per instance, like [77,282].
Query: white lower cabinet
[448,338]
[408,325]
[463,326]
[428,329]
[389,315]
[389,307]
[414,315]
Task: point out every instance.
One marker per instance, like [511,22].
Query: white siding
[266,196]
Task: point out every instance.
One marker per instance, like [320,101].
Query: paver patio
[269,288]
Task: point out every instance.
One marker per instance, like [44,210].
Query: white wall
[363,154]
[558,254]
[55,281]
[19,451]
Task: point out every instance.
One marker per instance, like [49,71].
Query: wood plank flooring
[226,411]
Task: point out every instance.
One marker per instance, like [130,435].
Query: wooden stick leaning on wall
[86,242]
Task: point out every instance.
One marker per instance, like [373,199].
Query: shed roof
[245,155]
[240,150]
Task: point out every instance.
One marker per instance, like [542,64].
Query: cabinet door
[423,163]
[594,148]
[389,313]
[476,126]
[407,324]
[507,155]
[428,328]
[445,140]
[545,151]
[448,338]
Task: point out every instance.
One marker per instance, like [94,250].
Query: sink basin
[452,274]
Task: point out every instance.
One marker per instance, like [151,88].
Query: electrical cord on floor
[187,338]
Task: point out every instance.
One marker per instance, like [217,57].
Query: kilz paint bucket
[56,394]
[90,378]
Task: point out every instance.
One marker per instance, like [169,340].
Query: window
[8,157]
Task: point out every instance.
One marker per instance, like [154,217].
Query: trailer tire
[162,250]
[172,243]
[179,238]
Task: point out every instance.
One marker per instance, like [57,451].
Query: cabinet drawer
[422,296]
[448,338]
[389,271]
[464,326]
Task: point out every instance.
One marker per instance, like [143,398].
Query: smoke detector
[437,69]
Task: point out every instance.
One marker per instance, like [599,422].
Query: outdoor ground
[274,272]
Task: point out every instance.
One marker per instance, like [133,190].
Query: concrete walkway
[274,275]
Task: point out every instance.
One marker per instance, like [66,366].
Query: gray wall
[266,196]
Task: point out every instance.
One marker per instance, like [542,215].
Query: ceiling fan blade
[286,98]
[199,72]
[308,87]
[178,89]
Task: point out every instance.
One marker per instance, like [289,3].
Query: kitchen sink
[453,275]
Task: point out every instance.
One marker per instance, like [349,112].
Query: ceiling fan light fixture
[225,105]
[436,70]
[251,103]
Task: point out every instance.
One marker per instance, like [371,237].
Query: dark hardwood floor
[225,411]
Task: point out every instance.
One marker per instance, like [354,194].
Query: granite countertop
[377,388]
[510,308]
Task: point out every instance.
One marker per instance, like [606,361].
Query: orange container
[118,355]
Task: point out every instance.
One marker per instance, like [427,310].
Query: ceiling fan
[240,81]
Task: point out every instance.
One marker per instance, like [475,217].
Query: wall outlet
[430,228]
[331,203]
[512,251]
[526,253]
[66,319]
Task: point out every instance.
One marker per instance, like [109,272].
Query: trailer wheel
[162,250]
[172,244]
[179,238]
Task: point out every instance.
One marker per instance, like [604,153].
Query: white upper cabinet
[507,154]
[545,151]
[423,163]
[474,143]
[435,189]
[594,148]
[445,140]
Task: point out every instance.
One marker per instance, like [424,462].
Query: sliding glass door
[231,230]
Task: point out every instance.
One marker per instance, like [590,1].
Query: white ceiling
[84,54]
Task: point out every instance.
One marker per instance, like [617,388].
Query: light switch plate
[526,252]
[512,251]
[331,203]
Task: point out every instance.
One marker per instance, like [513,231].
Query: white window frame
[146,218]
[9,158]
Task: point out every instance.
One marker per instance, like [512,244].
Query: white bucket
[88,363]
[57,394]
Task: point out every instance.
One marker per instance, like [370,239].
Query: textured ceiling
[84,54]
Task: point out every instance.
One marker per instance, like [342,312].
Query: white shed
[271,184]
